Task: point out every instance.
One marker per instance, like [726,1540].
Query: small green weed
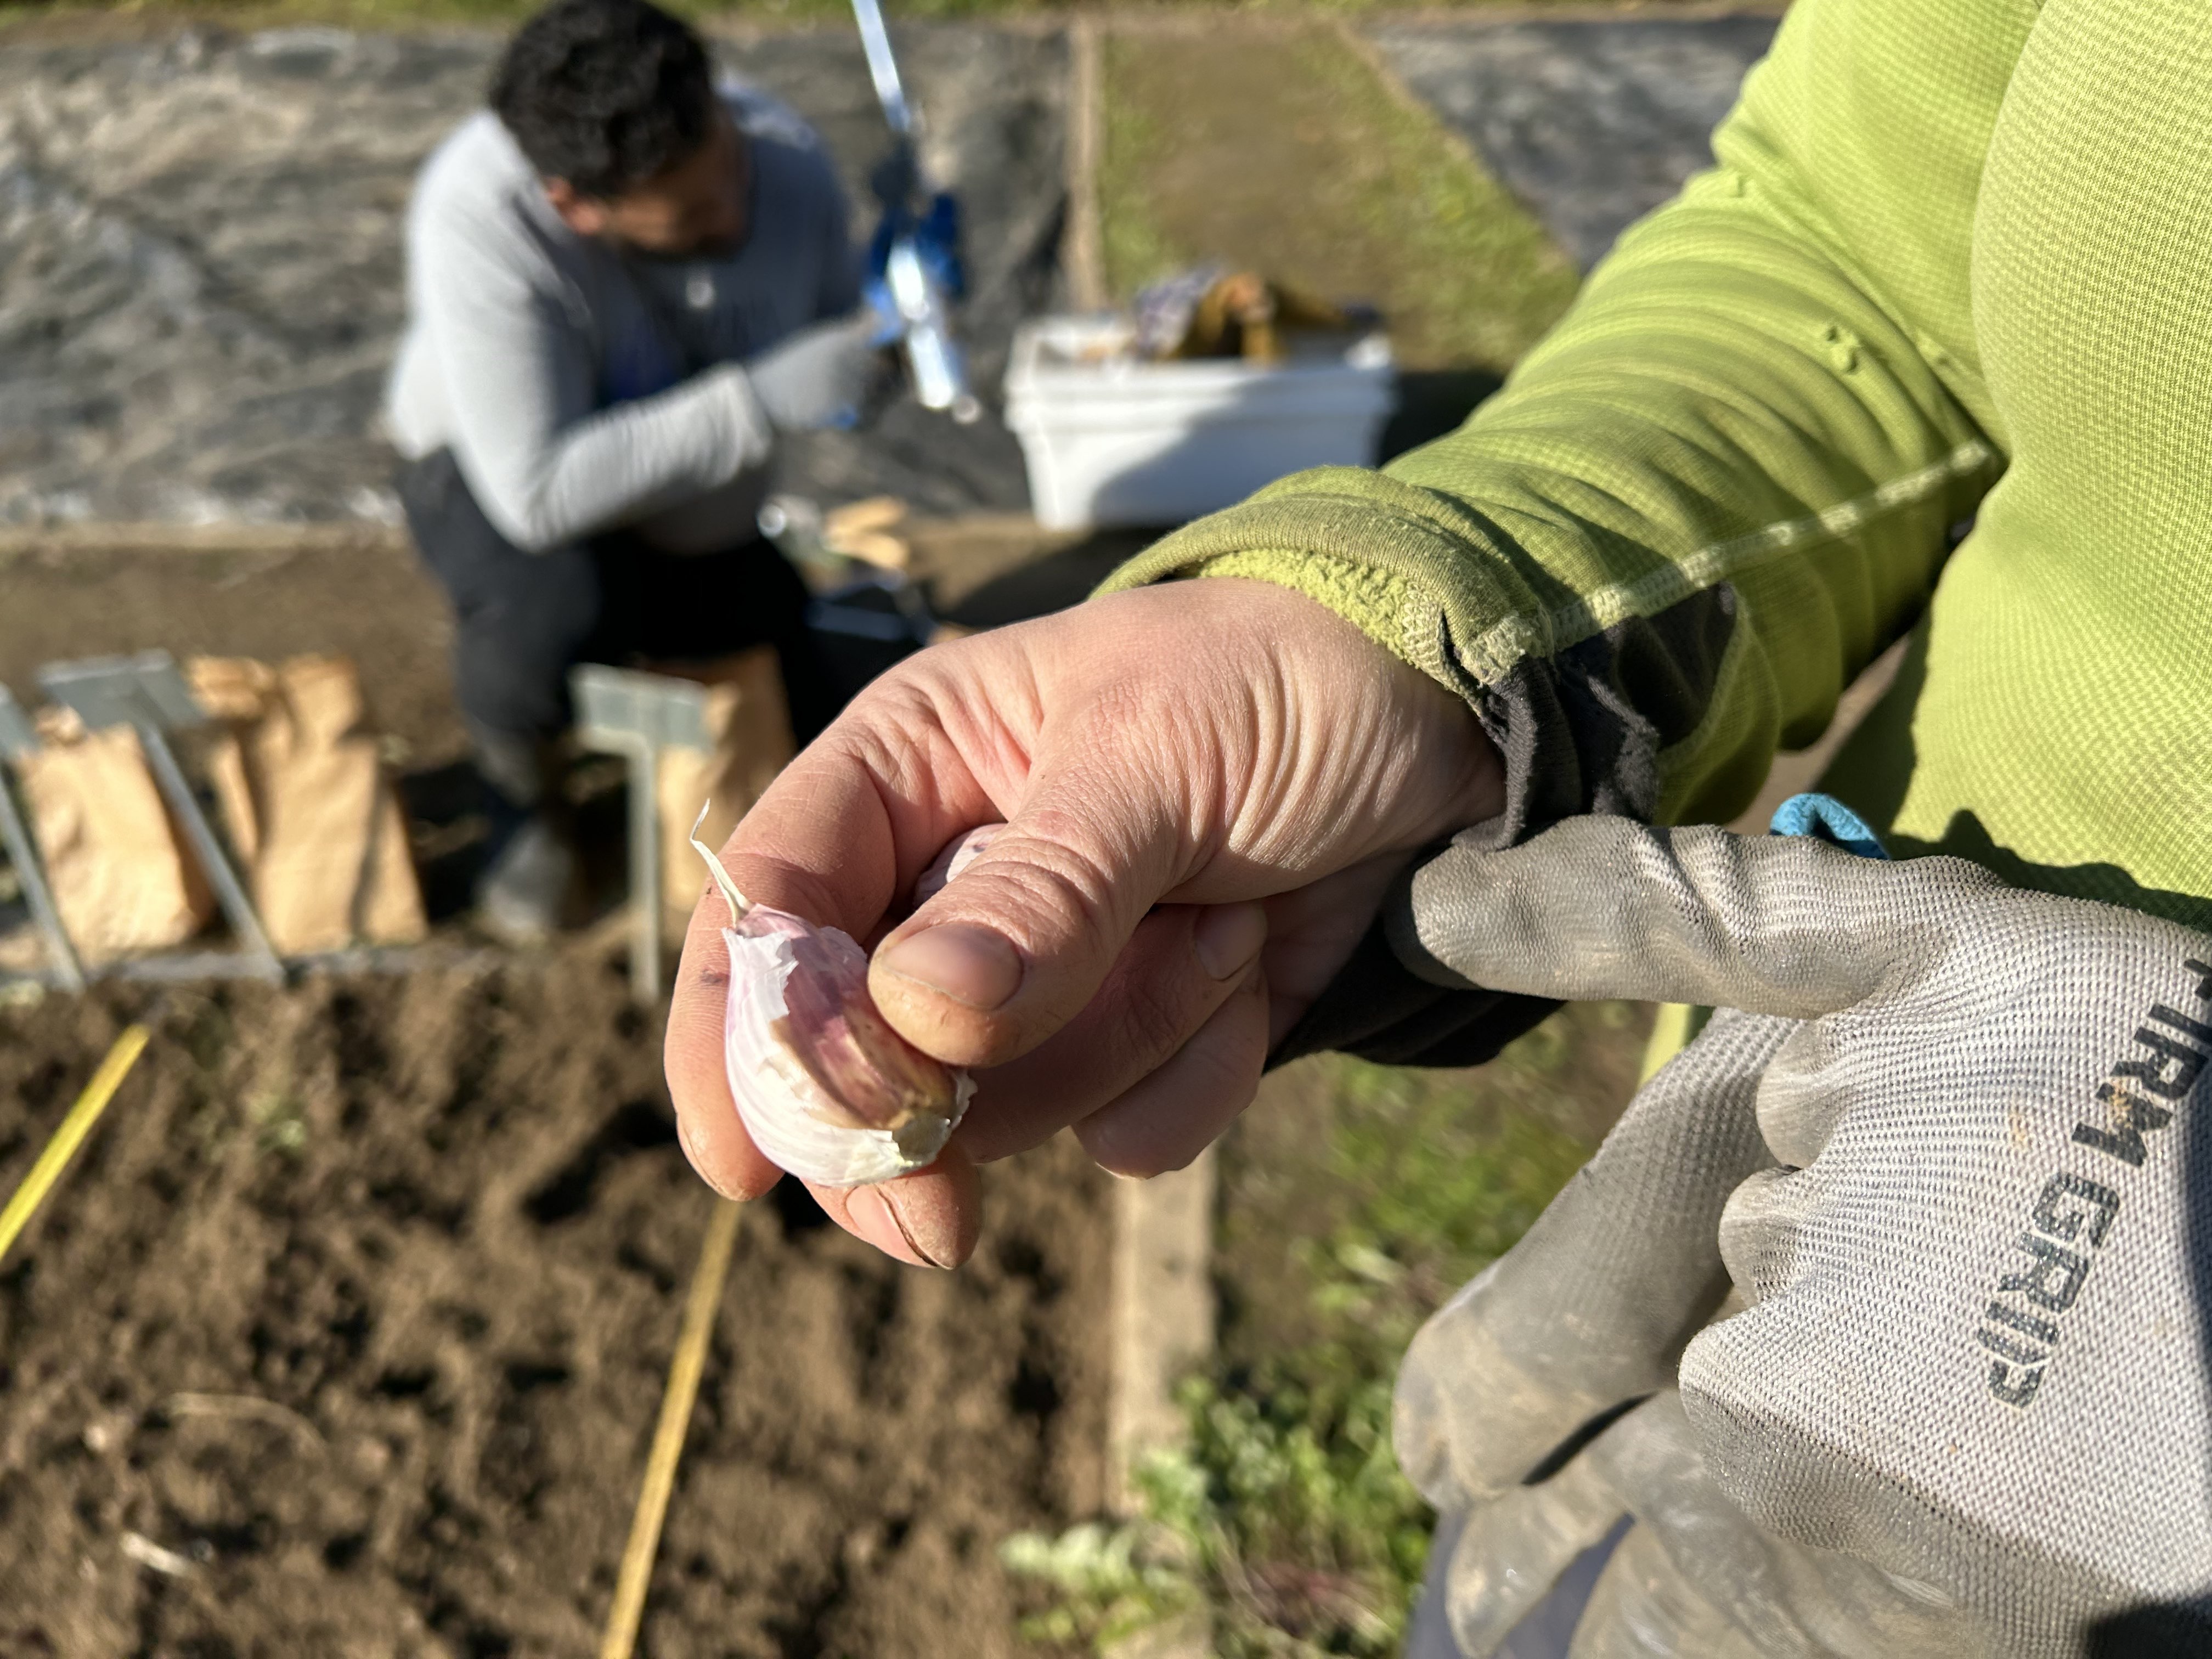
[280,1125]
[1113,1581]
[1290,1523]
[1284,1520]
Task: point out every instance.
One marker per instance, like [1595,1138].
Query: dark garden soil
[360,1301]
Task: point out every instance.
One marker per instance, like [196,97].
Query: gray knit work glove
[1974,1350]
[821,376]
[1589,1311]
[1693,1578]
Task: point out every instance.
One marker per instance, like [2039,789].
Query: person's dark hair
[604,94]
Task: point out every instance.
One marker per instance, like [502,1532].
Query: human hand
[819,376]
[1187,773]
[1590,1310]
[1973,1348]
[1691,1577]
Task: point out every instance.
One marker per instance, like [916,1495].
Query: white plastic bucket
[1113,440]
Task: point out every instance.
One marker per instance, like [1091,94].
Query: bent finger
[829,840]
[1178,1110]
[1595,1303]
[931,1218]
[1181,964]
[707,1124]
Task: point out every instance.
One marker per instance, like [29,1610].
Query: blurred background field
[400,14]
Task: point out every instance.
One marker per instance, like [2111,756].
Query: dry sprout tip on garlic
[827,1089]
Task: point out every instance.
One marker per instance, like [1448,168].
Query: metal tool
[916,290]
[147,694]
[883,68]
[849,592]
[620,711]
[17,740]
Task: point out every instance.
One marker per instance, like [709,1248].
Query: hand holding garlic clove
[1168,762]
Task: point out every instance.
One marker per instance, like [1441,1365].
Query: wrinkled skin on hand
[1207,789]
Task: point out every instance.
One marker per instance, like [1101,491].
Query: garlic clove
[814,1098]
[867,1076]
[958,853]
[826,1089]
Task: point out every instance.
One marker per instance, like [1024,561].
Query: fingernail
[691,1156]
[972,965]
[877,1219]
[1228,937]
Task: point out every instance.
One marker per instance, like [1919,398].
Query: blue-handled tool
[914,261]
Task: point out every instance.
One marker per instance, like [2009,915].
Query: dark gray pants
[522,620]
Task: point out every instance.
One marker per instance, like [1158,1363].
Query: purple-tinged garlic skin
[871,1077]
[958,855]
[826,1089]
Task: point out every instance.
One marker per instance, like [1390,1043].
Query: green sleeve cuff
[1413,569]
[1374,601]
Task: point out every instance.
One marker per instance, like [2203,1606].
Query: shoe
[521,773]
[524,894]
[522,898]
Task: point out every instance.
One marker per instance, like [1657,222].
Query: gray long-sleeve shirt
[581,387]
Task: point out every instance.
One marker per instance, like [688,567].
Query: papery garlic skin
[954,857]
[826,1089]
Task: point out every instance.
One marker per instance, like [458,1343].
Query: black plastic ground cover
[1593,124]
[201,257]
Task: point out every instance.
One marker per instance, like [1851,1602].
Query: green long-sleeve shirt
[1954,263]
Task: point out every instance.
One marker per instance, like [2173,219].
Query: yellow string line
[629,1609]
[24,1202]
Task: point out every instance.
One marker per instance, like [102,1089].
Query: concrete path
[201,260]
[1593,124]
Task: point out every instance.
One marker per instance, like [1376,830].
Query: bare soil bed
[361,1298]
[360,1301]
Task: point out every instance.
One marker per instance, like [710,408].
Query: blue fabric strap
[1826,818]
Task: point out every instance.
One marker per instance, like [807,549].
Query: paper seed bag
[305,803]
[123,877]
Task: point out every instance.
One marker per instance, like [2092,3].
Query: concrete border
[1163,1314]
[1163,1329]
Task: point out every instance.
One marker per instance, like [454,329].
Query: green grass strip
[1282,149]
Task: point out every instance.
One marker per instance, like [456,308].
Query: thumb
[1510,1553]
[1605,907]
[1001,958]
[1644,1606]
[1593,1305]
